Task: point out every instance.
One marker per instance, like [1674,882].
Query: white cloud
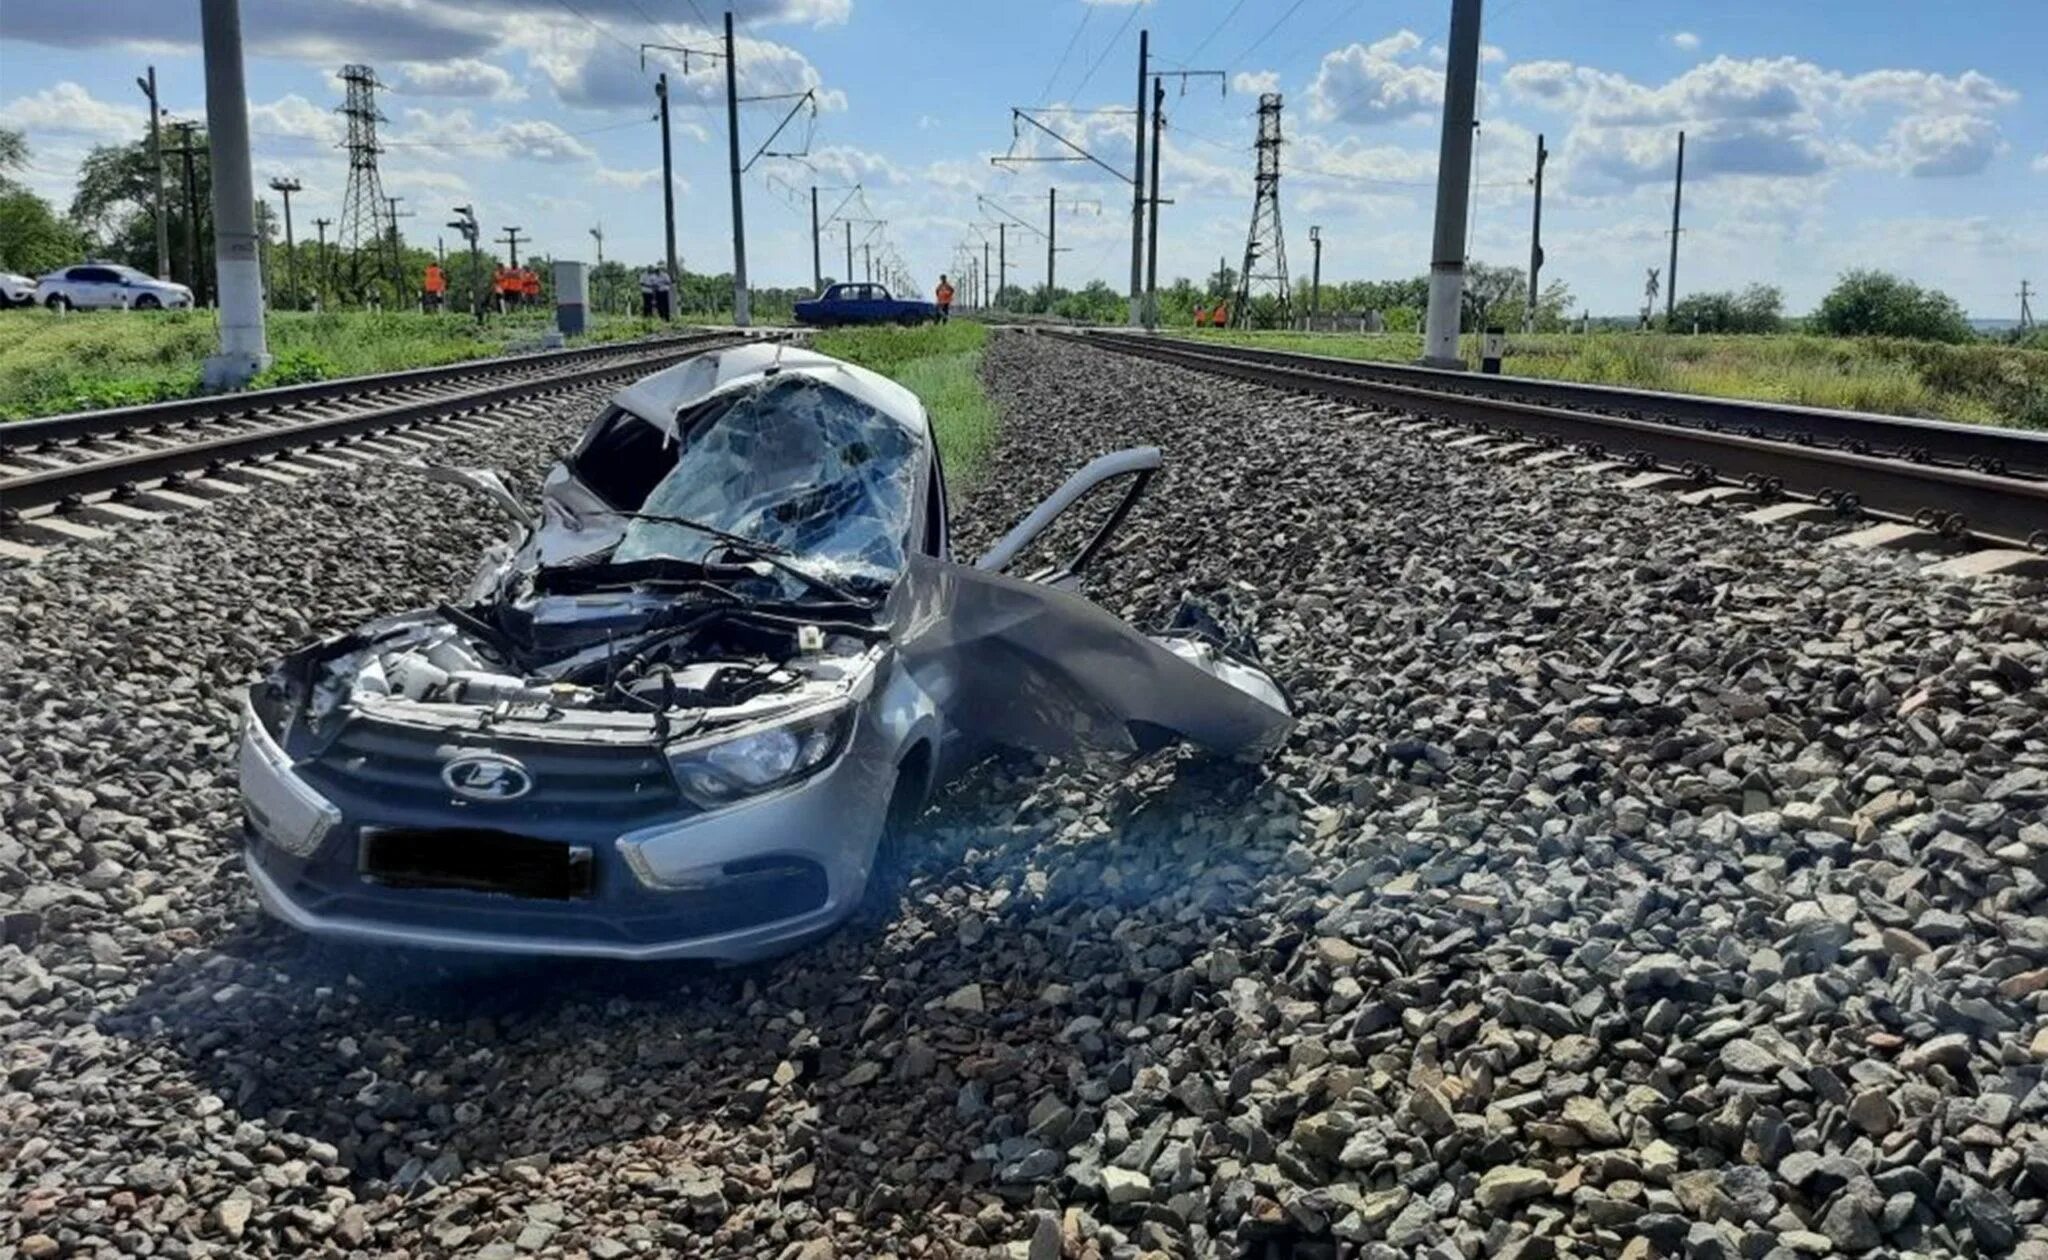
[293,117]
[635,180]
[1950,144]
[464,76]
[1375,83]
[1684,40]
[1492,54]
[1251,83]
[589,71]
[2041,164]
[68,109]
[1777,117]
[530,139]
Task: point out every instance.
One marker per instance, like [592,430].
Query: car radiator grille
[588,784]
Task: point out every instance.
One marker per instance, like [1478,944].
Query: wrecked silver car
[680,711]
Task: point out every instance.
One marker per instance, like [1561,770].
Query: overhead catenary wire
[1087,11]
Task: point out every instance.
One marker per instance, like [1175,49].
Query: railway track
[103,462]
[1959,482]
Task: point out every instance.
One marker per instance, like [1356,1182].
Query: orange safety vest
[1222,315]
[1201,316]
[945,294]
[436,282]
[529,282]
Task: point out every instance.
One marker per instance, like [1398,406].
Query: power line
[1087,11]
[1291,9]
[1107,49]
[1215,30]
[597,26]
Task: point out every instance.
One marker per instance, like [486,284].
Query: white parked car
[16,289]
[109,286]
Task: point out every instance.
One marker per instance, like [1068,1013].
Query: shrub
[1878,304]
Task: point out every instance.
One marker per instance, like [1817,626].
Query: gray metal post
[285,188]
[1671,276]
[1052,234]
[239,274]
[1536,235]
[1002,258]
[1138,185]
[1152,228]
[1453,186]
[668,183]
[817,263]
[742,312]
[988,295]
[1315,283]
[156,157]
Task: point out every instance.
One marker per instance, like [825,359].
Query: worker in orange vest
[435,289]
[1201,315]
[945,296]
[529,285]
[1220,318]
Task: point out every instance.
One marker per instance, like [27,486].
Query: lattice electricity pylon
[364,223]
[1265,250]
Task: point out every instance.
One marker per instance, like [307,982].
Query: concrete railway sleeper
[1953,501]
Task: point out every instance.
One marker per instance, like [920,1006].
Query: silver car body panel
[966,658]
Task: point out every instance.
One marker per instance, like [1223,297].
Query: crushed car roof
[658,398]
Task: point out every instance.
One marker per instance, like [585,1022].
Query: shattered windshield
[794,463]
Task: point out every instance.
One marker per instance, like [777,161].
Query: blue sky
[1822,134]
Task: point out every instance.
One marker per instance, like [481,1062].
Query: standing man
[435,288]
[650,289]
[945,296]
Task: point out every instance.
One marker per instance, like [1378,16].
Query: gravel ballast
[1637,882]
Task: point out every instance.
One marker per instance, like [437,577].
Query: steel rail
[47,431]
[1984,448]
[57,488]
[1954,501]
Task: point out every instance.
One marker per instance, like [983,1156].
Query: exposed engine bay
[681,707]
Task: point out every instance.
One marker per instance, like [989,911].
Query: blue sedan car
[843,304]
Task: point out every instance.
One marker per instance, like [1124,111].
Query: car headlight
[737,764]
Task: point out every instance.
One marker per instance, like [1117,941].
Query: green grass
[1981,383]
[941,364]
[51,363]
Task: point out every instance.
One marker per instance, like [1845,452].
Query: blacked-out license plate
[476,859]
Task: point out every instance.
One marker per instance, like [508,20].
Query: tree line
[112,211]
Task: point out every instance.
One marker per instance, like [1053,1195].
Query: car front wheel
[147,302]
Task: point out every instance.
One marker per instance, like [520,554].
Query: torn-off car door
[1029,664]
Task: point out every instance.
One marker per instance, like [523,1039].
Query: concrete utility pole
[849,251]
[286,187]
[1315,283]
[1052,235]
[320,258]
[156,157]
[597,293]
[195,275]
[668,180]
[742,312]
[243,352]
[1002,259]
[1536,236]
[2026,307]
[1671,272]
[867,262]
[1453,186]
[1152,228]
[817,262]
[988,295]
[1138,184]
[511,241]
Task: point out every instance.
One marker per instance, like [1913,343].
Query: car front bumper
[745,882]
